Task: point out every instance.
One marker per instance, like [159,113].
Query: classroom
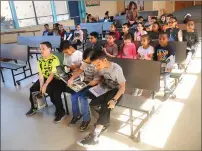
[101,75]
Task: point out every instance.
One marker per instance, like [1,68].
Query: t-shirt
[191,38]
[129,51]
[175,34]
[113,76]
[117,35]
[122,34]
[79,33]
[90,72]
[97,46]
[112,50]
[145,52]
[166,55]
[74,59]
[153,35]
[48,66]
[138,35]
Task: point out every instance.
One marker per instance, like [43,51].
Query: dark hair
[48,44]
[46,25]
[163,33]
[94,34]
[157,23]
[126,24]
[146,36]
[107,13]
[77,25]
[170,15]
[111,18]
[162,16]
[98,55]
[113,25]
[65,44]
[140,17]
[175,18]
[87,53]
[112,34]
[127,36]
[154,18]
[190,21]
[132,3]
[141,24]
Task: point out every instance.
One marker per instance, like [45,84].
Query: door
[183,4]
[74,11]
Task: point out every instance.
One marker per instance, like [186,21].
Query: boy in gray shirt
[113,80]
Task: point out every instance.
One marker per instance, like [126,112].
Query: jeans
[82,97]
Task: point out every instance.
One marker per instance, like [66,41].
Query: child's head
[140,19]
[78,27]
[132,5]
[172,22]
[61,27]
[46,26]
[153,19]
[155,27]
[107,14]
[45,48]
[56,26]
[190,26]
[145,40]
[87,54]
[127,39]
[67,48]
[125,27]
[99,59]
[111,37]
[93,37]
[168,17]
[163,39]
[163,18]
[140,27]
[112,28]
[187,17]
[68,29]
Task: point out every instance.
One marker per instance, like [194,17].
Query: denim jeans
[82,97]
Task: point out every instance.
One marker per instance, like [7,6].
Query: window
[27,22]
[61,7]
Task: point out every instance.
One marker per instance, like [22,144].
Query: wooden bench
[15,52]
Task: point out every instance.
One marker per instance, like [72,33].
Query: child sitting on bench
[128,49]
[48,82]
[113,29]
[114,81]
[92,77]
[93,42]
[111,49]
[145,52]
[78,36]
[165,53]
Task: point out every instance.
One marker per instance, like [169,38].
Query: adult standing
[132,12]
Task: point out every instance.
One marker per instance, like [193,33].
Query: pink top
[129,51]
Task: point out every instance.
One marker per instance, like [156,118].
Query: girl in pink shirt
[128,49]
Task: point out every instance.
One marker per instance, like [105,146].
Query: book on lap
[99,90]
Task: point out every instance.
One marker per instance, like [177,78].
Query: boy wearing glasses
[92,77]
[175,34]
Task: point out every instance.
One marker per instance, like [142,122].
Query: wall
[108,5]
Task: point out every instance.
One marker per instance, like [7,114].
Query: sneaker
[31,112]
[104,127]
[56,113]
[59,117]
[75,120]
[90,140]
[84,126]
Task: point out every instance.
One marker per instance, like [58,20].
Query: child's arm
[105,50]
[180,35]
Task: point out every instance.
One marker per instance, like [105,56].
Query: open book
[78,83]
[99,90]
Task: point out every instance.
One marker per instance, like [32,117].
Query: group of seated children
[75,37]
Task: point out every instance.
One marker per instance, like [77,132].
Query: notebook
[99,90]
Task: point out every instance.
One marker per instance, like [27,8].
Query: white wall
[110,6]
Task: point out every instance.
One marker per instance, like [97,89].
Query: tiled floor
[176,126]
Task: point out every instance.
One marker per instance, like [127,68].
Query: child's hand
[70,82]
[168,70]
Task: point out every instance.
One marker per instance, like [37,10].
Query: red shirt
[129,51]
[117,35]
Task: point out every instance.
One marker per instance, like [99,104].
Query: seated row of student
[91,19]
[126,30]
[114,80]
[48,82]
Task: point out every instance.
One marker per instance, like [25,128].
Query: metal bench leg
[131,124]
[66,106]
[2,76]
[13,77]
[30,67]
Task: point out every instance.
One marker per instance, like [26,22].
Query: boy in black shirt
[125,30]
[165,53]
[93,42]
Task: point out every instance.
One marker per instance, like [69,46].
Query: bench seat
[13,66]
[176,74]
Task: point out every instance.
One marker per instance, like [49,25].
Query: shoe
[59,117]
[75,120]
[31,112]
[166,96]
[84,126]
[56,113]
[90,140]
[105,127]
